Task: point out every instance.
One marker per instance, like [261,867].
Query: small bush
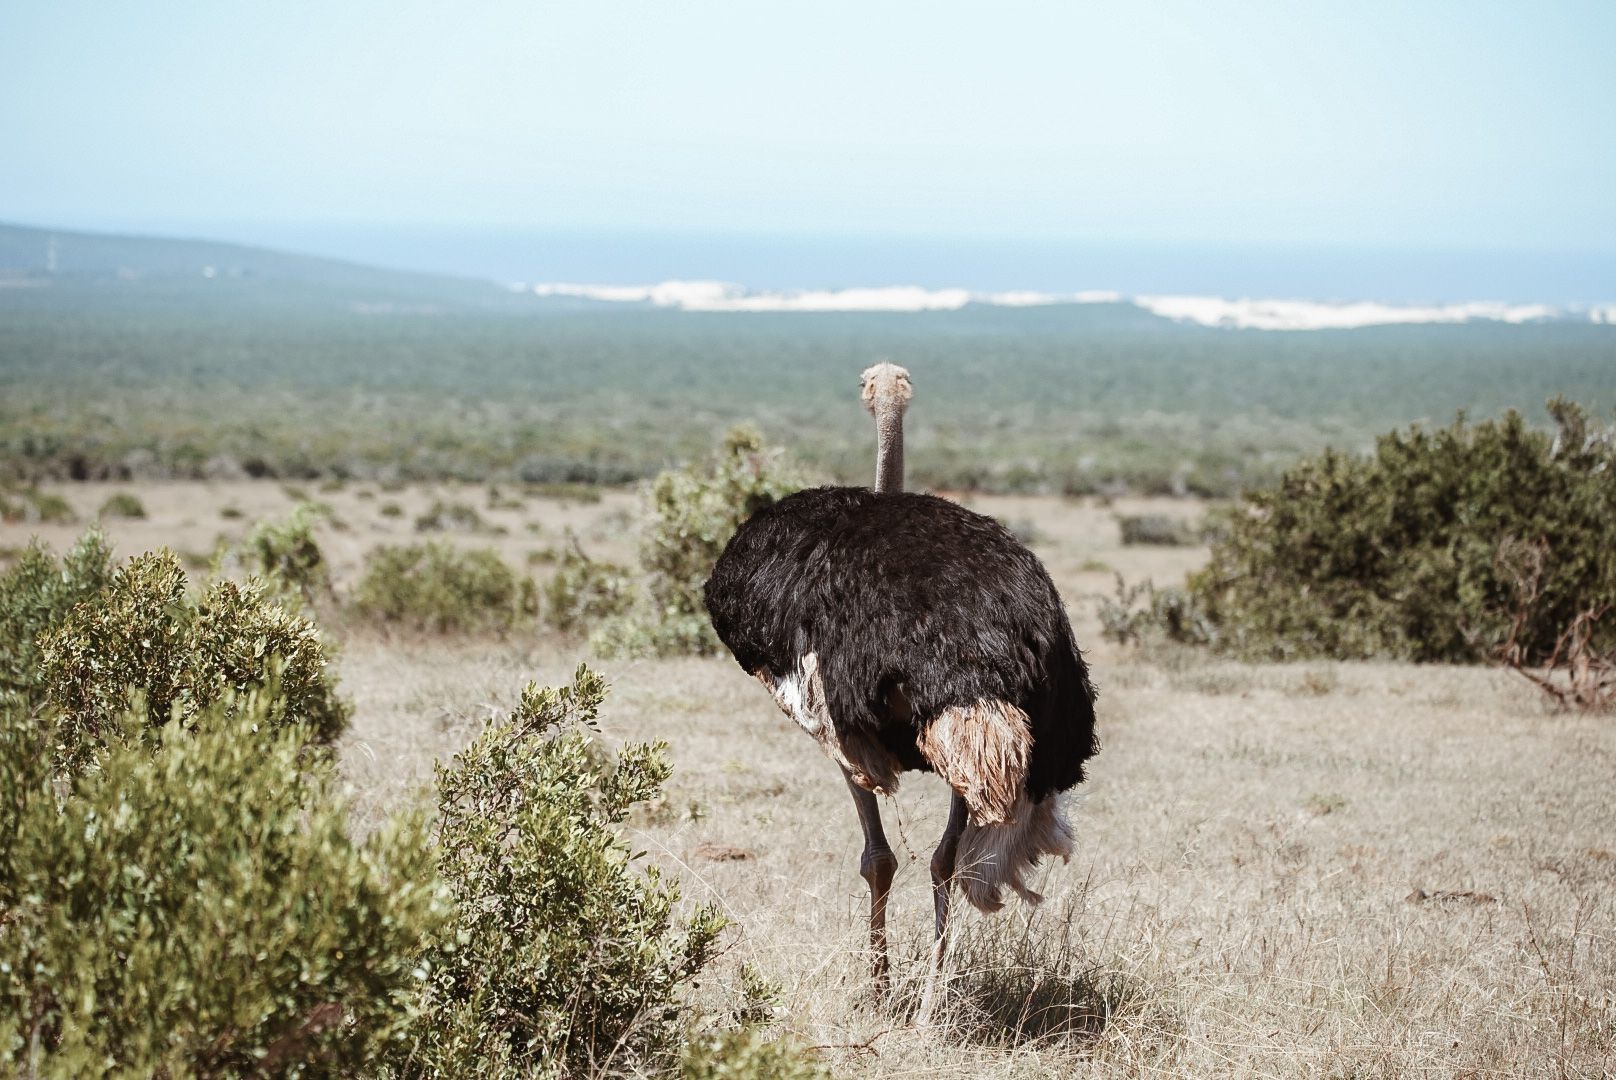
[689,516]
[200,908]
[36,507]
[1141,614]
[584,592]
[144,636]
[564,957]
[498,500]
[285,555]
[439,588]
[565,492]
[1158,530]
[36,596]
[1398,554]
[122,504]
[747,1054]
[390,509]
[444,517]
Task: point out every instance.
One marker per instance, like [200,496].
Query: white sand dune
[1213,311]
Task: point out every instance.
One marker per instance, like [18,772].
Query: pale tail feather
[992,858]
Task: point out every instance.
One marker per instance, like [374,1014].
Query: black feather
[907,592]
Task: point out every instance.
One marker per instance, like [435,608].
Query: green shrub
[122,504]
[200,908]
[1159,530]
[692,512]
[284,554]
[498,500]
[36,596]
[443,517]
[747,1054]
[565,956]
[36,507]
[583,592]
[1141,614]
[565,492]
[689,515]
[390,509]
[1399,554]
[144,635]
[439,588]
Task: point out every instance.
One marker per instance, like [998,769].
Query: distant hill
[39,256]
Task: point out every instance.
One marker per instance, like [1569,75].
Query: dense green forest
[123,365]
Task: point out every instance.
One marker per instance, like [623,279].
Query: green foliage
[285,555]
[1157,406]
[1141,614]
[564,956]
[692,513]
[122,504]
[36,596]
[578,493]
[439,588]
[689,516]
[35,506]
[200,908]
[145,636]
[1400,554]
[583,592]
[747,1054]
[444,517]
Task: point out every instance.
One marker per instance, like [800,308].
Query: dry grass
[1331,870]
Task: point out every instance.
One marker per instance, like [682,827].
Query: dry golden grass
[1331,870]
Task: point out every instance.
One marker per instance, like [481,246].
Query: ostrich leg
[942,881]
[876,867]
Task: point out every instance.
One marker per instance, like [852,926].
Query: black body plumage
[910,593]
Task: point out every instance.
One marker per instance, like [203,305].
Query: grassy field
[1331,870]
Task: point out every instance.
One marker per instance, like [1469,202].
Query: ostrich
[905,632]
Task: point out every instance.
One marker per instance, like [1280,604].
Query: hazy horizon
[783,261]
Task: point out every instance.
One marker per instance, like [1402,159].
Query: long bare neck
[889,448]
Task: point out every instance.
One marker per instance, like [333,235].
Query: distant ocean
[795,262]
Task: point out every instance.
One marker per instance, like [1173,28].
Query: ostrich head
[886,391]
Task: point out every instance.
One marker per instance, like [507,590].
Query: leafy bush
[36,596]
[564,955]
[284,554]
[144,635]
[689,516]
[747,1054]
[35,506]
[442,517]
[1159,530]
[122,504]
[439,588]
[1141,614]
[200,908]
[1399,554]
[565,492]
[583,591]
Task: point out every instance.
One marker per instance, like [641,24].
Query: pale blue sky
[1462,125]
